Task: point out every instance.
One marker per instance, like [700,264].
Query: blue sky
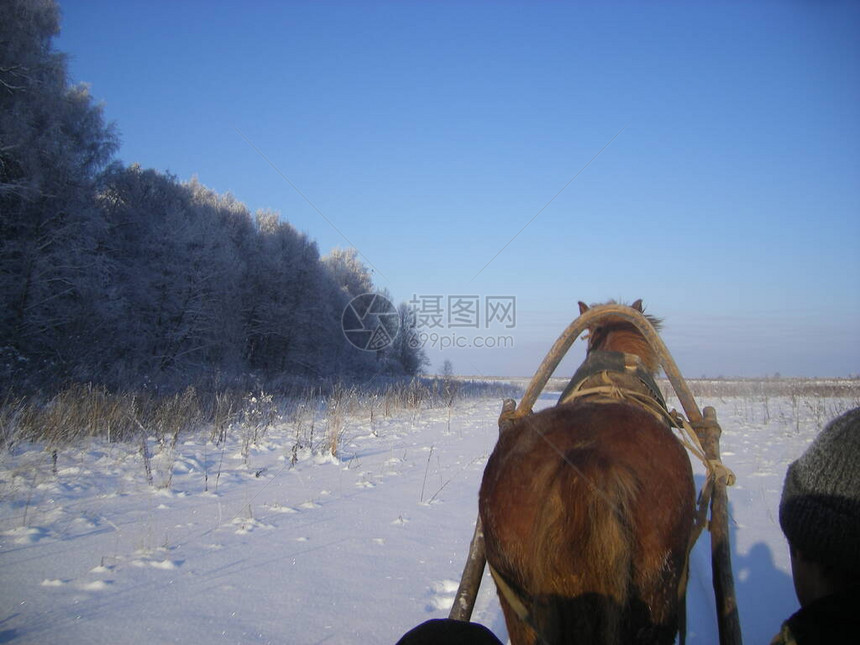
[714,153]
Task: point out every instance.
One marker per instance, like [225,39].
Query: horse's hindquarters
[587,510]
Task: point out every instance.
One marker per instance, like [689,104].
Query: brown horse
[587,507]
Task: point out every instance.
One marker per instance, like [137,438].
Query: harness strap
[610,391]
[513,598]
[515,601]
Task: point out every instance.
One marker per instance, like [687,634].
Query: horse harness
[607,376]
[610,377]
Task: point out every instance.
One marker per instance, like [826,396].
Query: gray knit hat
[820,507]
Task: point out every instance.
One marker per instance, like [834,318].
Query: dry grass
[771,387]
[321,416]
[85,410]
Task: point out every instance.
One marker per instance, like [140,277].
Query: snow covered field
[201,543]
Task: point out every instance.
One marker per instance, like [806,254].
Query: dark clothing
[449,632]
[832,620]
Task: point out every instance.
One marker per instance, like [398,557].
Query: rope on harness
[610,391]
[714,467]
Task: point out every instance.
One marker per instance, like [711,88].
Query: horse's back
[587,509]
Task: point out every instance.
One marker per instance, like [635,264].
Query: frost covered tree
[53,143]
[178,252]
[406,353]
[278,318]
[115,274]
[204,286]
[228,236]
[349,272]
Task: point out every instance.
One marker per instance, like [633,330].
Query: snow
[353,548]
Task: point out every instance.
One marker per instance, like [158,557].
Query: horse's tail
[583,544]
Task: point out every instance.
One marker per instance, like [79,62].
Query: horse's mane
[625,336]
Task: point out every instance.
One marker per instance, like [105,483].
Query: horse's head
[615,334]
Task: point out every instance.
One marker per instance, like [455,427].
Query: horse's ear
[638,305]
[582,307]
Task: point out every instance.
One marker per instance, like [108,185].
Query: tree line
[121,275]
